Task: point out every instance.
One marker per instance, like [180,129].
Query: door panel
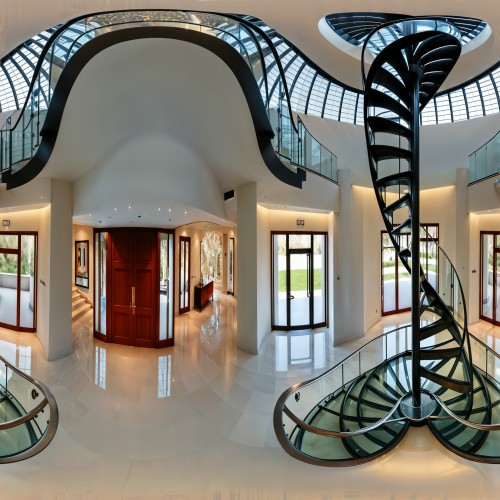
[300,289]
[134,295]
[121,285]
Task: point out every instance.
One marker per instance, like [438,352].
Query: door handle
[291,296]
[132,305]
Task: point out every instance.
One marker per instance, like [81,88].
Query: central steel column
[415,74]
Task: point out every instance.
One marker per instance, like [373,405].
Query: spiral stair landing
[422,374]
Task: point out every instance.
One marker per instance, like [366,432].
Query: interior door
[184,274]
[133,284]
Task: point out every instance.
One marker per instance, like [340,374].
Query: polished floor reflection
[195,421]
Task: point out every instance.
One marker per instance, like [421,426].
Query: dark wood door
[133,287]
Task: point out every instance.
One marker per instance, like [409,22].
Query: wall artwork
[82,263]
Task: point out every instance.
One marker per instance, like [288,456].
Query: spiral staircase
[422,373]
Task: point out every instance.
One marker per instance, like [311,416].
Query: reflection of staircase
[80,304]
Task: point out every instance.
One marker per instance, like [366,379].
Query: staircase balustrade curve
[30,414]
[292,143]
[431,372]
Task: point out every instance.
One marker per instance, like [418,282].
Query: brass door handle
[132,305]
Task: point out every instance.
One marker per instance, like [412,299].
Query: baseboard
[371,325]
[60,355]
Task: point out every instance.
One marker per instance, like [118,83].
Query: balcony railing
[485,161]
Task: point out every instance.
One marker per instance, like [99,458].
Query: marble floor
[195,422]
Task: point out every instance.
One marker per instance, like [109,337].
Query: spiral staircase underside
[433,381]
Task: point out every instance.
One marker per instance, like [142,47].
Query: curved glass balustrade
[485,161]
[28,414]
[292,142]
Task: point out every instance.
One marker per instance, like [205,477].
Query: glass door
[184,272]
[18,281]
[490,277]
[166,277]
[299,280]
[231,267]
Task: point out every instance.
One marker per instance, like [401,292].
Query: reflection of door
[490,277]
[299,280]
[133,287]
[184,271]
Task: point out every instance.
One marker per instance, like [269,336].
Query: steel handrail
[48,400]
[344,434]
[485,144]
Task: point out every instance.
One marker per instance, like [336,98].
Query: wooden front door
[133,287]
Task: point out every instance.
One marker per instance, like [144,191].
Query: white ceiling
[137,134]
[294,19]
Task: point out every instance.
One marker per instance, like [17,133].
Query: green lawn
[298,278]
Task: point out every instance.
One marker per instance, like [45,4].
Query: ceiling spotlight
[90,215]
[185,213]
[159,209]
[169,209]
[129,207]
[116,209]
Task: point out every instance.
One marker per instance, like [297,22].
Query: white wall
[263,274]
[247,264]
[43,290]
[84,233]
[59,279]
[349,262]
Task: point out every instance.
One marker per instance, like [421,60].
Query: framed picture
[82,263]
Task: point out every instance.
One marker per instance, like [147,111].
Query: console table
[203,294]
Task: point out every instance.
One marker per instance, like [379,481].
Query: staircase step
[450,352]
[382,152]
[387,126]
[396,179]
[378,99]
[399,203]
[434,328]
[78,301]
[393,84]
[450,383]
[78,313]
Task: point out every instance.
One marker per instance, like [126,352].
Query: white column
[348,321]
[253,266]
[462,231]
[54,287]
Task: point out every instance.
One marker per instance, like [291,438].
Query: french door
[133,287]
[184,274]
[299,280]
[18,261]
[230,282]
[490,277]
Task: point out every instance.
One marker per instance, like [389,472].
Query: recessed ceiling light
[169,209]
[159,209]
[41,197]
[185,213]
[116,209]
[129,207]
[90,215]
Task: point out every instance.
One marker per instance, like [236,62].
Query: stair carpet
[80,304]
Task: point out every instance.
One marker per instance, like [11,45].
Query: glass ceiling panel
[312,90]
